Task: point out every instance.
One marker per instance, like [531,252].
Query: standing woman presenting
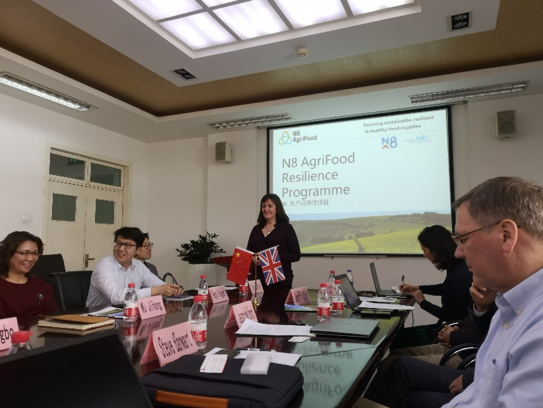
[273,229]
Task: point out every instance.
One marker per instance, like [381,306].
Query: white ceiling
[112,25]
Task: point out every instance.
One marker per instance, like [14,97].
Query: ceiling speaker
[505,122]
[223,152]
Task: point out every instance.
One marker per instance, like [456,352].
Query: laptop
[384,292]
[352,300]
[352,329]
[92,371]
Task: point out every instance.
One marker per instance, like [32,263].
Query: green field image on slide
[383,234]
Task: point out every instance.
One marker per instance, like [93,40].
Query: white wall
[25,131]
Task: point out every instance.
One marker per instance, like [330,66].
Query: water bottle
[19,342]
[331,283]
[350,276]
[338,299]
[131,304]
[202,288]
[323,302]
[198,322]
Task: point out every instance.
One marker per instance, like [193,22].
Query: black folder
[355,329]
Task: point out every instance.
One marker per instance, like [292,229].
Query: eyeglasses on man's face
[148,246]
[29,254]
[125,245]
[460,239]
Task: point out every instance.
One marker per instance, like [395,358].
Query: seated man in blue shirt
[499,232]
[112,274]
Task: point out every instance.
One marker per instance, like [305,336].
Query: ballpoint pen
[403,278]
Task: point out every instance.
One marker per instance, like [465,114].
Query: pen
[247,349]
[403,278]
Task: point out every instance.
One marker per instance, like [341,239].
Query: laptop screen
[375,279]
[351,298]
[92,371]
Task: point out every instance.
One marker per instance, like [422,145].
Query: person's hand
[444,335]
[456,386]
[419,297]
[168,289]
[407,288]
[482,297]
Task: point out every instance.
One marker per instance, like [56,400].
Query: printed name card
[151,307]
[298,296]
[169,344]
[147,327]
[218,294]
[7,328]
[238,314]
[259,288]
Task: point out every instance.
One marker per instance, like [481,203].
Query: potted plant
[199,254]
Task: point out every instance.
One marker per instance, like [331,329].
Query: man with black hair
[112,274]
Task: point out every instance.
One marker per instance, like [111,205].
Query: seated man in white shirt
[112,274]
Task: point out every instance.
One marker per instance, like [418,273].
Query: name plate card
[147,327]
[169,344]
[7,328]
[218,294]
[259,288]
[298,296]
[151,307]
[238,314]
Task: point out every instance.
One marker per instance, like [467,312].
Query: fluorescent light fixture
[254,121]
[35,89]
[203,24]
[465,93]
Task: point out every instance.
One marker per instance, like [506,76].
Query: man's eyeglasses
[148,246]
[460,239]
[27,254]
[126,245]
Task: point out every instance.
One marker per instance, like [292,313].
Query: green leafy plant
[200,251]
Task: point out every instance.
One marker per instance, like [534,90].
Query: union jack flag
[271,265]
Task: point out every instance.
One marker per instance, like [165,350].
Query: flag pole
[256,303]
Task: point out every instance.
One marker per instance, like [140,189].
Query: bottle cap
[338,281]
[202,276]
[198,298]
[323,285]
[20,337]
[348,270]
[334,272]
[131,285]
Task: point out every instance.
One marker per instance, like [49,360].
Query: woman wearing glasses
[143,254]
[438,246]
[22,295]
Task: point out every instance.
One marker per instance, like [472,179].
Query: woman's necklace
[268,229]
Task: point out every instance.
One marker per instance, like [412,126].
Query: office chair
[71,289]
[466,351]
[47,264]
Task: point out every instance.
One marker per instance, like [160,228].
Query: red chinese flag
[239,268]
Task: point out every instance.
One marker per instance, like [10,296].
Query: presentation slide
[366,185]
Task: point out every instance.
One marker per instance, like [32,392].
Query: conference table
[335,370]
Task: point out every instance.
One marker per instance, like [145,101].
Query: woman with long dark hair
[273,228]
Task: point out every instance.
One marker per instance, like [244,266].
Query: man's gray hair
[506,197]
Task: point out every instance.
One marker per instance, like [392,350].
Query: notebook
[384,292]
[91,371]
[354,329]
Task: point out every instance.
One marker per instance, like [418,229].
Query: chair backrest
[71,289]
[46,265]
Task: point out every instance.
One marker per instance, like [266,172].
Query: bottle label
[323,310]
[338,305]
[131,309]
[199,335]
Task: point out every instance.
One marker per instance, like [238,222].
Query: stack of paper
[76,324]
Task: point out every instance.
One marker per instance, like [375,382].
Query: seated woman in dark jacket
[438,247]
[22,295]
